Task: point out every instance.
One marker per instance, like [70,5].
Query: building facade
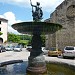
[3,30]
[64,15]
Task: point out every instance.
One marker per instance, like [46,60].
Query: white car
[9,48]
[29,48]
[69,51]
[18,48]
[45,51]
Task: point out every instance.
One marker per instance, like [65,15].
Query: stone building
[64,14]
[3,30]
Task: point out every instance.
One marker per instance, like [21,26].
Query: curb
[10,62]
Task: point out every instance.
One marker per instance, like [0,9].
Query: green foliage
[1,33]
[13,38]
[26,39]
[24,42]
[29,42]
[43,40]
[23,39]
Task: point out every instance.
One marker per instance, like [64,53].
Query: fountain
[36,60]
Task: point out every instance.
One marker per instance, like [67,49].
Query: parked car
[54,52]
[45,51]
[18,48]
[69,51]
[2,48]
[29,48]
[9,48]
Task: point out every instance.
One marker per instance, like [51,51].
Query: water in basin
[20,69]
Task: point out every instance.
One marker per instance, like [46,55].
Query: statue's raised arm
[37,12]
[32,4]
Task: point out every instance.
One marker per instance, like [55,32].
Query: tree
[25,37]
[13,38]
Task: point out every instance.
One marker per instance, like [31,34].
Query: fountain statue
[37,13]
[36,60]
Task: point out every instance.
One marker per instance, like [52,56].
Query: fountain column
[36,60]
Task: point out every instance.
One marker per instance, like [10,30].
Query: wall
[4,28]
[64,15]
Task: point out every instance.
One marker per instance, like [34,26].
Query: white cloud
[10,17]
[11,20]
[1,16]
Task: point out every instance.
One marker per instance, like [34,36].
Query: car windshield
[8,46]
[29,46]
[17,46]
[53,49]
[69,48]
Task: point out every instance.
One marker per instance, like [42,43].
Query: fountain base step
[37,70]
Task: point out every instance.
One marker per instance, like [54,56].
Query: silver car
[9,48]
[18,48]
[69,51]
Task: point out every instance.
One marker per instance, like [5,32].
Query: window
[0,29]
[69,48]
[0,22]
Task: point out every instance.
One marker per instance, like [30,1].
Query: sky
[16,11]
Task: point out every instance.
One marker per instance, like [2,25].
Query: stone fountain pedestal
[36,60]
[36,65]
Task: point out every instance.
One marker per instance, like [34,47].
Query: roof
[2,19]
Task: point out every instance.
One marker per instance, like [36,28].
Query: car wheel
[64,57]
[0,51]
[49,55]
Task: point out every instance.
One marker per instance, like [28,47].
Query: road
[12,55]
[23,55]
